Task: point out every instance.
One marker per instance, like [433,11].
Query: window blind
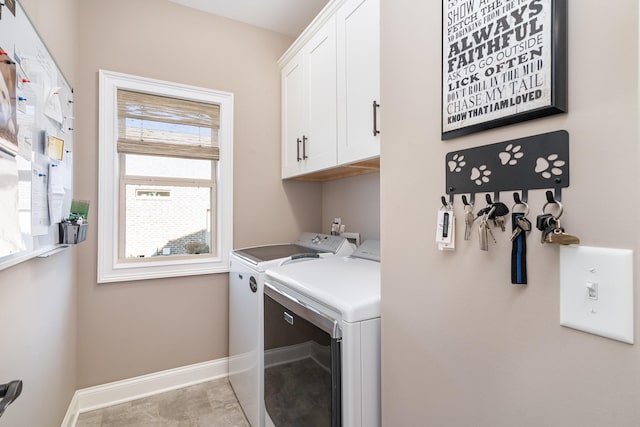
[164,126]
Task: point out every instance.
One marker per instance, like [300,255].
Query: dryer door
[302,363]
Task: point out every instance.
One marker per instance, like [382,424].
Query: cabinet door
[358,33]
[320,135]
[292,116]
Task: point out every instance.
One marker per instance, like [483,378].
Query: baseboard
[92,398]
[71,416]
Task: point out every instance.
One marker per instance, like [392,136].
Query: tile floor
[209,404]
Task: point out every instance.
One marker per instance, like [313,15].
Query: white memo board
[36,177]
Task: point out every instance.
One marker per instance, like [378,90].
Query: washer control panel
[325,243]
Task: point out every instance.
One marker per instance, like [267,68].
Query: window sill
[128,272]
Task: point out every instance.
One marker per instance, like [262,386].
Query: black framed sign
[503,62]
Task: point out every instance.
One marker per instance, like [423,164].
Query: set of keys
[494,211]
[550,227]
[521,224]
[469,217]
[484,229]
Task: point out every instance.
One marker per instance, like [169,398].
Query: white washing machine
[322,341]
[246,280]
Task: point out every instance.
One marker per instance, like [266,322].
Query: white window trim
[110,268]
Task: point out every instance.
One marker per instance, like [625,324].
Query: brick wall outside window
[157,223]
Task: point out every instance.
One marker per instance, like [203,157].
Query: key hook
[446,204]
[520,202]
[496,198]
[554,196]
[552,201]
[516,198]
[524,199]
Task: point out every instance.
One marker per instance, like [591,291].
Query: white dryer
[246,279]
[322,341]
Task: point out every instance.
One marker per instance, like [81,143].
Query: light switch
[596,291]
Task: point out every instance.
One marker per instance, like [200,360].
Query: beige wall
[38,297]
[129,329]
[356,200]
[461,346]
[57,24]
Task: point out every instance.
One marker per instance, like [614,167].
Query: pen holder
[71,233]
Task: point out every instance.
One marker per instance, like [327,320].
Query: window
[165,196]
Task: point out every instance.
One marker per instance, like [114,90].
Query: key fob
[500,210]
[483,211]
[543,221]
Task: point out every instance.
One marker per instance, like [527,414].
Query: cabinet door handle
[298,149]
[304,147]
[375,118]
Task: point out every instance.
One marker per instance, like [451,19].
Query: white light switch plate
[596,291]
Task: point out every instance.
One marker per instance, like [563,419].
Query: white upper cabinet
[319,145]
[309,105]
[358,62]
[292,116]
[331,90]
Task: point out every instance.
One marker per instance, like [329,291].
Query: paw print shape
[550,166]
[511,154]
[457,163]
[480,175]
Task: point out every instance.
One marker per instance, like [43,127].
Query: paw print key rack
[531,163]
